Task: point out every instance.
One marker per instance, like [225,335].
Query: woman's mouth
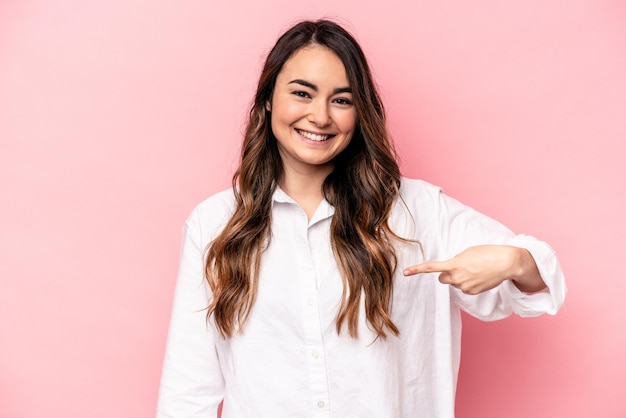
[314,137]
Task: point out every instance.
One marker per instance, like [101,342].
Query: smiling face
[312,113]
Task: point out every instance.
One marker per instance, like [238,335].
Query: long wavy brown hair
[362,188]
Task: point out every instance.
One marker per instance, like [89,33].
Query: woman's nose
[319,115]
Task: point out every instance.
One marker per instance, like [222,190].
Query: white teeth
[312,136]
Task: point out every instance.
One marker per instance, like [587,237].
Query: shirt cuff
[546,301]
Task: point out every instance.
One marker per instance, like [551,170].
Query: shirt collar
[324,210]
[281,197]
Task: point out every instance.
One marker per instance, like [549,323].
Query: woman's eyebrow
[314,87]
[304,83]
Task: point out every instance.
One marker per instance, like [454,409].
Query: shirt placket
[313,333]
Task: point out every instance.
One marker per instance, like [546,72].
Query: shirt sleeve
[191,382]
[463,227]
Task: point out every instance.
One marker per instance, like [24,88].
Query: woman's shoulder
[223,201]
[416,211]
[411,189]
[214,212]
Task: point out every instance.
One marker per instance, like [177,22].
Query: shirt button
[321,404]
[309,302]
[316,355]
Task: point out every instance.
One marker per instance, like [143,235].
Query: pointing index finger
[428,267]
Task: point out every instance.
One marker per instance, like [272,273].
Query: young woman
[323,284]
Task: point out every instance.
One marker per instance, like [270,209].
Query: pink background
[117,117]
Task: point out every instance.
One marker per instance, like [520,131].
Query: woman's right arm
[191,382]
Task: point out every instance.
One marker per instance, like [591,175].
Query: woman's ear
[268,106]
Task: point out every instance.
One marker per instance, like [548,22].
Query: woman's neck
[304,187]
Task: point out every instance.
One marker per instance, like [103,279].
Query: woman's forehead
[316,64]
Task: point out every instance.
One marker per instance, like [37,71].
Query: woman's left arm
[491,272]
[483,267]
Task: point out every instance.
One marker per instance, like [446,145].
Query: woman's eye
[300,93]
[342,101]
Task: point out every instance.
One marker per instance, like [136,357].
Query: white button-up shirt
[289,360]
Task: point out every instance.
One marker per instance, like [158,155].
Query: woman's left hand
[480,268]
